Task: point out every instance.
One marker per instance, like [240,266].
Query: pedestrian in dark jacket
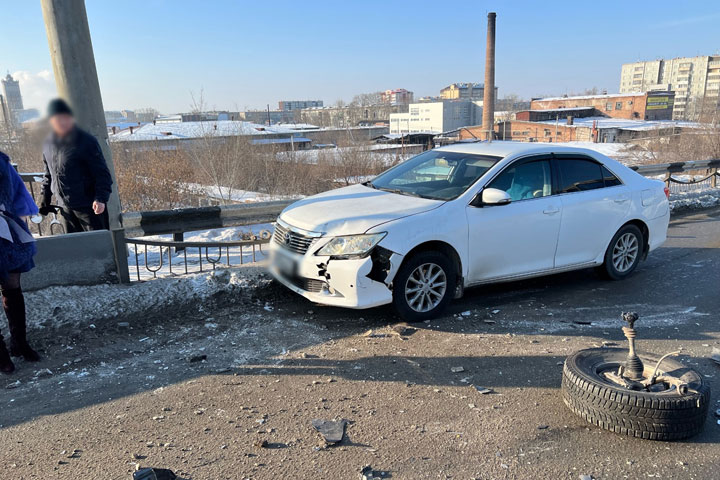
[17,248]
[75,172]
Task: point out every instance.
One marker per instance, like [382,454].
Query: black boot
[14,306]
[6,364]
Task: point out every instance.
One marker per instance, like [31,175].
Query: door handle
[551,210]
[622,199]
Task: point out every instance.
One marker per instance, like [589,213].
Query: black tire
[608,269]
[663,415]
[404,310]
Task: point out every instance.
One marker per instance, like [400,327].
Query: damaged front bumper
[352,283]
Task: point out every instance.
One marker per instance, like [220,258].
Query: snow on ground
[693,200]
[59,306]
[234,194]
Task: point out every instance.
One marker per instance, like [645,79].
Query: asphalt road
[120,396]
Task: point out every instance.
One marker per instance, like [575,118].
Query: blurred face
[62,124]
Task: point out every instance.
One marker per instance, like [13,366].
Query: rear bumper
[658,228]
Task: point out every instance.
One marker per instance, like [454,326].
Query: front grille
[292,240]
[308,284]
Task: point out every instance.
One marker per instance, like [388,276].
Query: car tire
[666,415]
[618,265]
[432,299]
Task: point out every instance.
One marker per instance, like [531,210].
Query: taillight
[667,192]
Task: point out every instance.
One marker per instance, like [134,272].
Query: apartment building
[695,81]
[399,96]
[294,105]
[464,91]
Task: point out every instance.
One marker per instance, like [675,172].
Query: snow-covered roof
[298,126]
[188,130]
[621,123]
[590,97]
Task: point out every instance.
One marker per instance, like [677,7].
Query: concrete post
[489,92]
[76,79]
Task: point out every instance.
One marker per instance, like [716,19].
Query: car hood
[351,210]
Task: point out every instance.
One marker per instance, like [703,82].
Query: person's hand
[98,207]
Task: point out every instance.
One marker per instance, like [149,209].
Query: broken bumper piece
[343,283]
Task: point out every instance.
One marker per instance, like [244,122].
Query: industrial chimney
[489,93]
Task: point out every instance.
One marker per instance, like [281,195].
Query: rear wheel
[623,253]
[423,286]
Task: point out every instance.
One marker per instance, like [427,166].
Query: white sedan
[464,215]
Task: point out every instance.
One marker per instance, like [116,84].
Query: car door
[520,237]
[594,205]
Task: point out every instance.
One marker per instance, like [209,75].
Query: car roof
[506,148]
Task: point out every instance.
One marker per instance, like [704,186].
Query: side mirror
[493,196]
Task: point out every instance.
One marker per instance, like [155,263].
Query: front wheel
[423,286]
[623,254]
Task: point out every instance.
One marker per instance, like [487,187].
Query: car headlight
[351,245]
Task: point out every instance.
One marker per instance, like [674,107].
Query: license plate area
[286,265]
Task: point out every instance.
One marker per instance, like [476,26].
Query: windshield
[435,174]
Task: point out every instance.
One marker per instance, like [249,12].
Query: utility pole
[76,79]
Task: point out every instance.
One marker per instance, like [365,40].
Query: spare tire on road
[662,414]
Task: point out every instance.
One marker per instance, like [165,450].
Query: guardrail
[708,179]
[183,220]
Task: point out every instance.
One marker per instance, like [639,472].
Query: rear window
[610,179]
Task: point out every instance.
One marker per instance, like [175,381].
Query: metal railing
[216,254]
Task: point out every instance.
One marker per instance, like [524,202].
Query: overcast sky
[243,54]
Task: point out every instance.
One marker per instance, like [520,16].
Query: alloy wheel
[425,287]
[625,252]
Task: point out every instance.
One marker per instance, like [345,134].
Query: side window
[527,180]
[578,175]
[610,179]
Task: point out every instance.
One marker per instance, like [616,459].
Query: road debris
[154,474]
[197,358]
[457,369]
[403,329]
[332,431]
[483,390]
[367,473]
[373,334]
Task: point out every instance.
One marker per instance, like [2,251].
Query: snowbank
[694,200]
[76,305]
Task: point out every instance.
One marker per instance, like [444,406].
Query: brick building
[656,105]
[584,129]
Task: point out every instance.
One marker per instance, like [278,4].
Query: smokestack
[489,93]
